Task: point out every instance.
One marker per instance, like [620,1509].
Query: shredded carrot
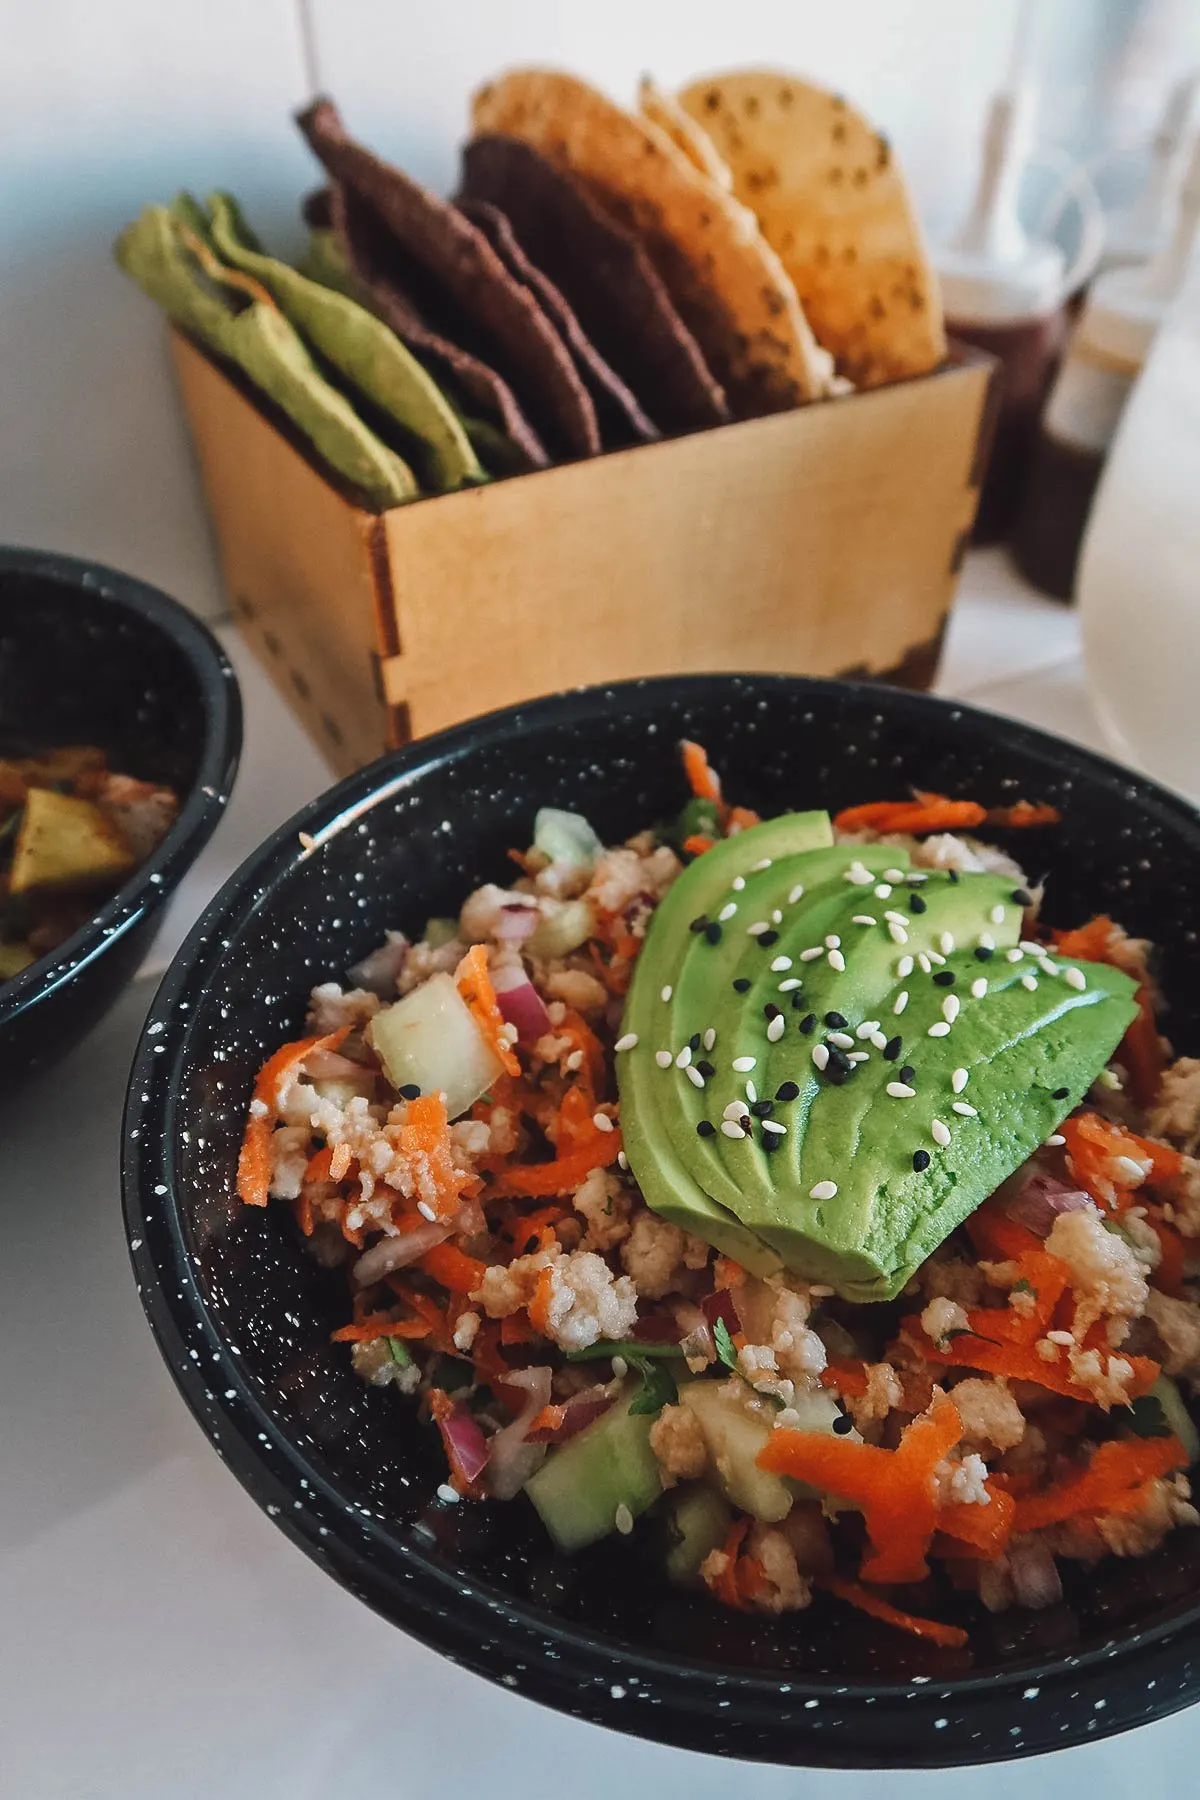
[741,818]
[950,1637]
[1168,1277]
[549,1419]
[985,1528]
[303,1208]
[703,779]
[1020,1362]
[1112,1482]
[1022,815]
[1140,1050]
[727,1273]
[696,843]
[581,1037]
[539,1306]
[426,1147]
[727,1584]
[998,1237]
[377,1325]
[751,1577]
[927,813]
[581,1148]
[491,1368]
[1095,1149]
[319,1165]
[460,1273]
[254,1160]
[845,1377]
[516,1329]
[1086,943]
[536,1228]
[475,985]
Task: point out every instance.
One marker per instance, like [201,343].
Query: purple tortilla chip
[459,285]
[622,420]
[606,278]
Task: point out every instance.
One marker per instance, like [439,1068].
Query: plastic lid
[1126,306]
[982,289]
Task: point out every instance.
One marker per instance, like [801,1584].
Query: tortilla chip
[361,348]
[230,313]
[604,275]
[663,109]
[724,278]
[461,287]
[833,202]
[622,420]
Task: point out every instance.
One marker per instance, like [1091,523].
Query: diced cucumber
[430,1038]
[565,837]
[1178,1418]
[563,927]
[698,1520]
[734,1437]
[581,1484]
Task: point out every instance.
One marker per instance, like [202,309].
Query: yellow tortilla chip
[663,109]
[833,202]
[727,283]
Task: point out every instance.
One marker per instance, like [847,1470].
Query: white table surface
[159,1638]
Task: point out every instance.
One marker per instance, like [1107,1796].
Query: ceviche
[790,1185]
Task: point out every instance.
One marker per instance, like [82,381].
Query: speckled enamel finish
[90,656]
[243,1316]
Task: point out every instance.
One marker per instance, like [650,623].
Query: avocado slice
[861,1183]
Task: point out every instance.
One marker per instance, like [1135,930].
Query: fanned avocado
[860,1052]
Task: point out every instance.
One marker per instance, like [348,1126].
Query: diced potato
[65,844]
[430,1038]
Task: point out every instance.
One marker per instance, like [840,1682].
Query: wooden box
[823,541]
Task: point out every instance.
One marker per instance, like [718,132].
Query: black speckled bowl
[243,1315]
[89,656]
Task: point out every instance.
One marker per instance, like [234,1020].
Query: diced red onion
[515,923]
[721,1306]
[379,972]
[698,1345]
[1042,1199]
[577,1413]
[469,1452]
[1034,1575]
[521,1004]
[512,1458]
[656,1328]
[392,1253]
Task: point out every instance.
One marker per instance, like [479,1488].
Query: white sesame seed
[901,1001]
[1055,1139]
[897,933]
[774,1126]
[731,1130]
[924,964]
[684,1057]
[935,956]
[447,1493]
[965,1111]
[867,1028]
[893,874]
[859,1056]
[760,866]
[426,1211]
[842,1039]
[916,876]
[879,1039]
[946,943]
[622,1160]
[776,1029]
[737,1109]
[896,918]
[824,1190]
[812,953]
[1048,967]
[1131,1170]
[938,1132]
[1061,1337]
[667,992]
[941,1029]
[663,1058]
[780,964]
[833,943]
[628,1042]
[837,962]
[951,1007]
[864,919]
[620,1367]
[860,876]
[796,893]
[742,1065]
[820,1056]
[602,1122]
[575,1061]
[694,1076]
[979,987]
[727,912]
[790,985]
[738,883]
[883,891]
[900,1090]
[1033,948]
[997,915]
[1030,982]
[777,917]
[709,1038]
[751,1090]
[904,967]
[623,1520]
[758,927]
[959,1080]
[986,941]
[1014,955]
[1075,978]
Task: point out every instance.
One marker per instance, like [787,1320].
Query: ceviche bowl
[89,656]
[356,1475]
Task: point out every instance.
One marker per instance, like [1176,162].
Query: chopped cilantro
[1023,1287]
[658,1387]
[724,1344]
[400,1352]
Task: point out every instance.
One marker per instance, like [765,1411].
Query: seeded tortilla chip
[663,109]
[369,258]
[833,202]
[462,287]
[622,420]
[723,276]
[360,347]
[233,315]
[604,275]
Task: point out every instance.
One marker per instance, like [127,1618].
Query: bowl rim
[97,584]
[423,1593]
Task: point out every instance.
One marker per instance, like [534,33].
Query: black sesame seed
[771,1011]
[706,1128]
[892,1049]
[797,1000]
[767,938]
[907,1074]
[787,1090]
[843,1424]
[920,1160]
[838,1059]
[808,1023]
[983,954]
[762,1109]
[835,1072]
[694,1042]
[741,985]
[771,1140]
[1060,1093]
[952,874]
[706,1069]
[699,924]
[410,1091]
[1022,896]
[945,978]
[916,904]
[835,1021]
[712,933]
